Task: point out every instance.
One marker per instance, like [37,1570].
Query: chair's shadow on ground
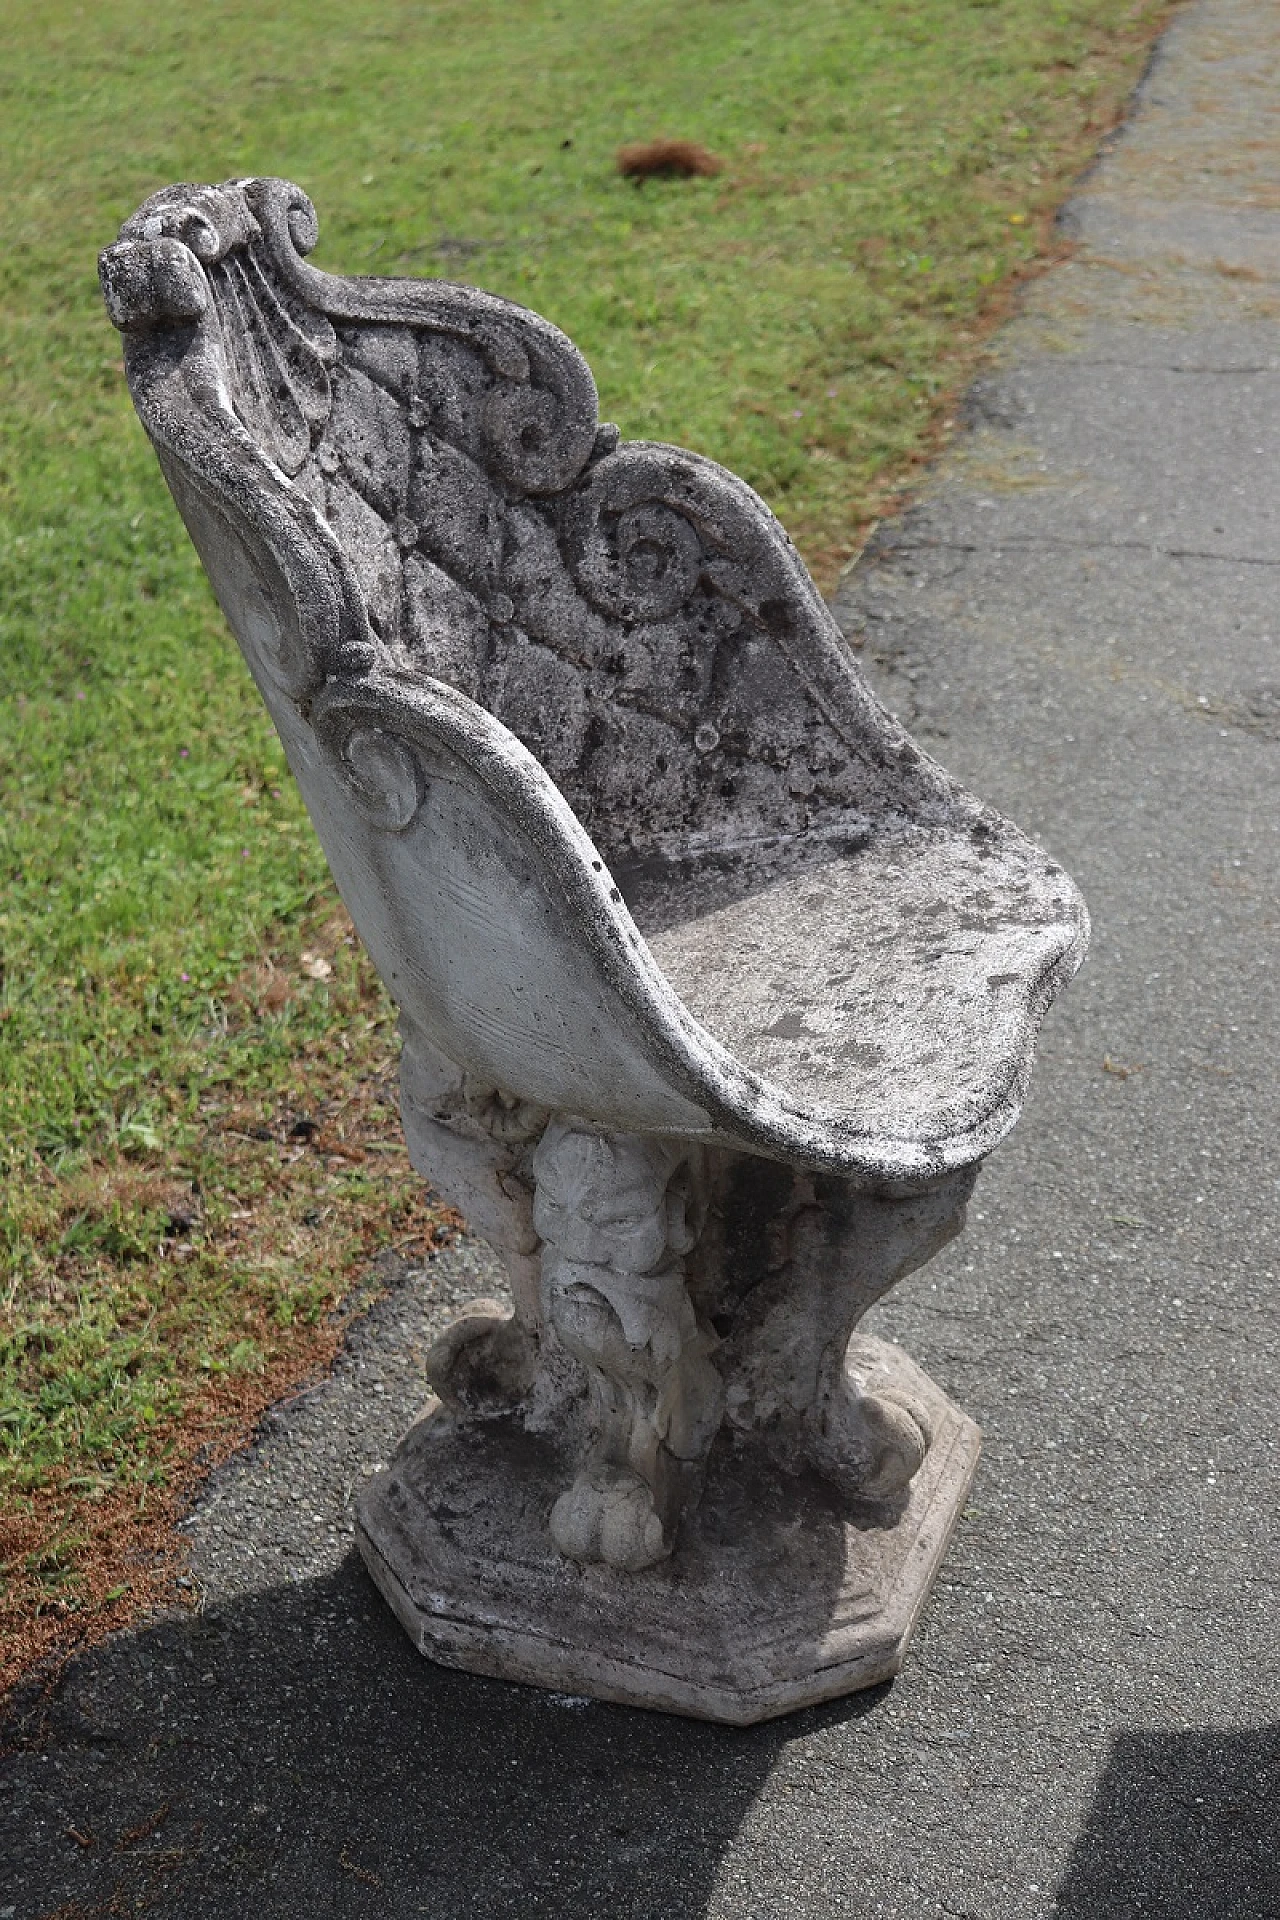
[292,1754]
[1184,1826]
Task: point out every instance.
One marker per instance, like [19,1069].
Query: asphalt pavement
[1080,618]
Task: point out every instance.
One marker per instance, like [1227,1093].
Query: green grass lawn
[197,1149]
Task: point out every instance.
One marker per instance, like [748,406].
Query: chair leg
[871,1439]
[617,1213]
[795,1370]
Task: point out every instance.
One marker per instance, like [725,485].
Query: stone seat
[714,989]
[885,997]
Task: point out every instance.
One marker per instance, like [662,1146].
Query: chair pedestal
[780,1593]
[682,1480]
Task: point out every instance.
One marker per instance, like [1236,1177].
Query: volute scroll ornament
[714,989]
[378,766]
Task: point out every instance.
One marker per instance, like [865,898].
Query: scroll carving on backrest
[634,614]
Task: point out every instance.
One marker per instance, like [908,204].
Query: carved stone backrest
[632,613]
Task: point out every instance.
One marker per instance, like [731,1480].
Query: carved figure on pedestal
[617,1213]
[715,989]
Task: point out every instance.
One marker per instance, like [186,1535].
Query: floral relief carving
[486,515]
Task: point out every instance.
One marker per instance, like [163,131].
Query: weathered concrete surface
[1088,1724]
[782,1593]
[822,903]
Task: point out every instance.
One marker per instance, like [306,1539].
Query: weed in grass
[175,1239]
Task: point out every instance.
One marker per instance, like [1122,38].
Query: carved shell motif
[278,348]
[634,614]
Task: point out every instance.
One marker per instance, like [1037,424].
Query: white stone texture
[714,988]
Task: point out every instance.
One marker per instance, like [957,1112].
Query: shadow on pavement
[1184,1826]
[292,1755]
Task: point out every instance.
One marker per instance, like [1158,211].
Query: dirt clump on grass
[667,160]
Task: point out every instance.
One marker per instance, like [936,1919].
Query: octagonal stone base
[779,1595]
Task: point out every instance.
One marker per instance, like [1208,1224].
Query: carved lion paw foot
[483,1362]
[873,1444]
[609,1516]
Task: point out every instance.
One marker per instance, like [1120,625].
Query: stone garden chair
[714,989]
